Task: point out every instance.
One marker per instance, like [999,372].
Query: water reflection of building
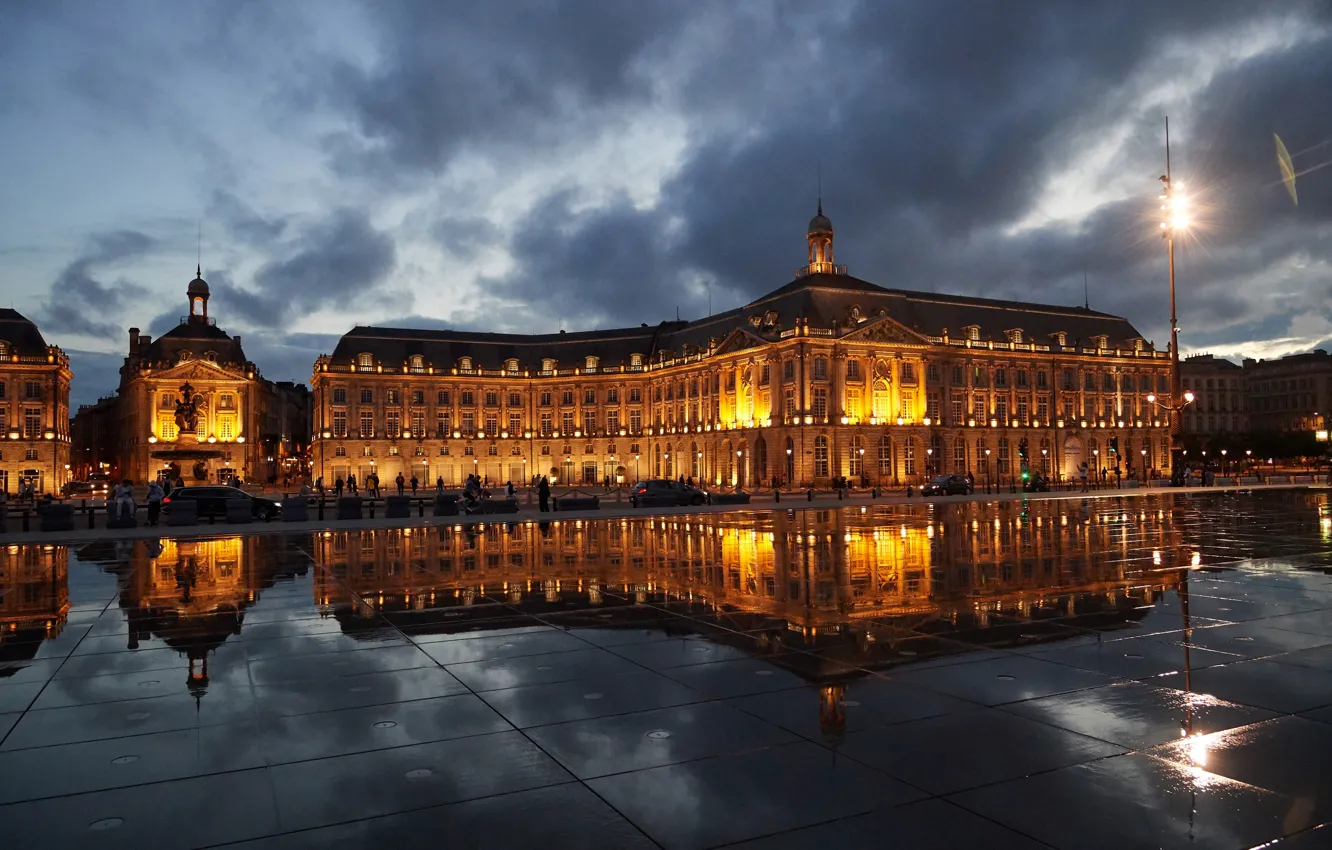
[34,598]
[191,594]
[813,577]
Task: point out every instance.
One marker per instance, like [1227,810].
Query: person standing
[338,484]
[415,484]
[1082,471]
[439,484]
[155,496]
[401,482]
[508,489]
[543,494]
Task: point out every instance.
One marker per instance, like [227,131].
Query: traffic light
[1022,448]
[1114,445]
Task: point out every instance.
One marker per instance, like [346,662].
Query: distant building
[34,408]
[190,404]
[94,438]
[826,376]
[1291,393]
[1219,392]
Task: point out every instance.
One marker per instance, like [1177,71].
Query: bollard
[321,508]
[910,491]
[840,491]
[776,495]
[372,508]
[91,512]
[420,508]
[810,495]
[874,493]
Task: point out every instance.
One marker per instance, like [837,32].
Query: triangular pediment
[885,329]
[740,340]
[199,370]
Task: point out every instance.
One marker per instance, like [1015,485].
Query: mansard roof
[837,302]
[198,338]
[21,333]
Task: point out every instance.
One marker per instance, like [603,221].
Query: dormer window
[511,364]
[1138,344]
[184,355]
[972,332]
[1102,341]
[416,363]
[210,356]
[635,360]
[365,360]
[590,363]
[4,349]
[548,365]
[465,364]
[1015,335]
[1060,337]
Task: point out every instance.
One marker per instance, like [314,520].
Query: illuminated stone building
[1218,386]
[197,374]
[1291,393]
[34,407]
[827,376]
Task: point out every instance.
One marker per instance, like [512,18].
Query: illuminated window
[820,457]
[511,364]
[465,364]
[167,428]
[590,363]
[635,360]
[365,361]
[226,428]
[548,365]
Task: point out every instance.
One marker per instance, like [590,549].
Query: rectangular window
[418,396]
[612,420]
[589,396]
[442,397]
[545,398]
[932,373]
[820,457]
[567,422]
[547,425]
[933,407]
[367,396]
[1001,409]
[492,425]
[589,421]
[340,423]
[613,396]
[957,376]
[1023,409]
[1040,381]
[636,421]
[225,427]
[764,375]
[820,370]
[418,424]
[442,428]
[468,399]
[788,370]
[567,396]
[853,402]
[340,395]
[1089,381]
[978,407]
[959,405]
[226,401]
[635,394]
[32,390]
[167,429]
[393,423]
[820,409]
[468,424]
[909,456]
[392,397]
[1022,377]
[492,398]
[32,422]
[515,399]
[515,424]
[367,424]
[908,373]
[789,410]
[1043,408]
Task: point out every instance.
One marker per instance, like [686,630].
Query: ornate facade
[827,376]
[34,408]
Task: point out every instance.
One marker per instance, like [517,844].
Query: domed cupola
[820,238]
[197,293]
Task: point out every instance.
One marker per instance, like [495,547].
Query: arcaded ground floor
[749,458]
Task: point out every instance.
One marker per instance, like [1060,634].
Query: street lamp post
[1175,218]
[1144,465]
[1223,461]
[989,473]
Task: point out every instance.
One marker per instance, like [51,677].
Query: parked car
[662,492]
[946,485]
[212,501]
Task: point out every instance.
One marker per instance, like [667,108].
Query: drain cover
[105,823]
[419,773]
[384,724]
[124,759]
[658,734]
[1005,677]
[762,672]
[592,695]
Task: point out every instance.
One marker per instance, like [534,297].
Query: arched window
[465,364]
[982,457]
[185,355]
[881,399]
[416,363]
[885,455]
[340,451]
[635,360]
[516,450]
[469,451]
[548,365]
[210,356]
[821,457]
[855,456]
[365,360]
[1045,455]
[853,370]
[590,363]
[545,450]
[511,364]
[694,461]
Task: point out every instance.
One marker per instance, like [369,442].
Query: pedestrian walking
[401,482]
[543,494]
[155,496]
[415,483]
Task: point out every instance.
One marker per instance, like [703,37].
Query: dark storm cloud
[454,76]
[242,222]
[80,301]
[334,263]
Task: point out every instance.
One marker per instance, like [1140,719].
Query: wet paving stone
[1111,672]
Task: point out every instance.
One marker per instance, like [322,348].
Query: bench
[577,503]
[446,505]
[182,512]
[296,509]
[1250,479]
[1301,479]
[730,498]
[239,511]
[397,507]
[500,506]
[349,507]
[56,517]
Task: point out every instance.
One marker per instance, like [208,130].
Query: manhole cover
[105,823]
[148,683]
[139,715]
[762,672]
[593,695]
[1005,677]
[658,734]
[419,773]
[384,724]
[124,759]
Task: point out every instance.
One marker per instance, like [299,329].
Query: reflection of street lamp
[1144,464]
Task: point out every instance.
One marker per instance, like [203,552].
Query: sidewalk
[761,501]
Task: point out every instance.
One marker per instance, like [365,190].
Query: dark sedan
[212,501]
[946,485]
[662,492]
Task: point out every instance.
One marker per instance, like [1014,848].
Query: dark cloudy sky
[515,164]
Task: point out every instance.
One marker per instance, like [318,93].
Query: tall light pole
[1174,208]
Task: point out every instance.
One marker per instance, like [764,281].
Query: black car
[662,492]
[946,485]
[212,501]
